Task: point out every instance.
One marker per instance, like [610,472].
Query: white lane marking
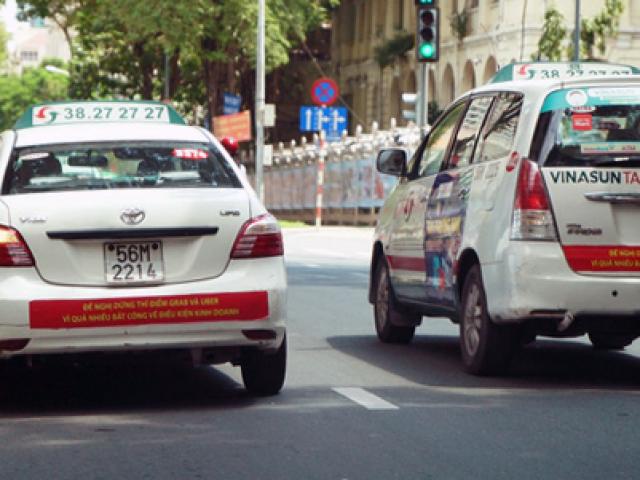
[367,399]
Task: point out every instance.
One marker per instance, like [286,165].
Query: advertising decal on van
[444,222]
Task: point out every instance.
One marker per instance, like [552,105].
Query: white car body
[206,302]
[564,269]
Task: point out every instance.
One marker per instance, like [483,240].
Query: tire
[486,348]
[387,313]
[610,341]
[263,373]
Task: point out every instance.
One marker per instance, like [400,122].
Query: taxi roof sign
[561,71]
[101,111]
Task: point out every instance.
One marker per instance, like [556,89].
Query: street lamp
[54,69]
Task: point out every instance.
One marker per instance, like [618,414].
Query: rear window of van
[588,127]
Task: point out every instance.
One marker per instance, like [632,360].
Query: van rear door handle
[620,198]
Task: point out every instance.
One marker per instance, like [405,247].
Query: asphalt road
[352,408]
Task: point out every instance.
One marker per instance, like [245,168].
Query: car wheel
[262,372]
[387,314]
[610,341]
[486,348]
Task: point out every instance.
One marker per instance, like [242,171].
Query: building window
[29,56]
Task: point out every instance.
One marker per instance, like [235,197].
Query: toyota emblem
[132,216]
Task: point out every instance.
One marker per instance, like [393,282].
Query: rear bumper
[182,326]
[534,281]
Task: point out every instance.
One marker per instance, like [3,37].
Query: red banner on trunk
[587,258]
[114,312]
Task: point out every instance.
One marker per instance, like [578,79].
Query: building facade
[498,32]
[35,41]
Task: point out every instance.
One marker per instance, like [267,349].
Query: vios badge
[132,216]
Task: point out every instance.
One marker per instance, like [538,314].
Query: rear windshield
[589,127]
[117,165]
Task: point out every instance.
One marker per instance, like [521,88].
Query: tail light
[532,216]
[14,252]
[259,237]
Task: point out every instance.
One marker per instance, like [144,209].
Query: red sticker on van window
[190,153]
[582,121]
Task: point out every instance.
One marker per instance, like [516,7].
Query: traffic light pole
[422,102]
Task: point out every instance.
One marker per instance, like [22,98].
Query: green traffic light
[427,50]
[425,2]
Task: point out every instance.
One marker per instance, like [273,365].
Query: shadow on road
[329,275]
[113,387]
[435,361]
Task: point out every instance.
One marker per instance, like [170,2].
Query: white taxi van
[518,215]
[124,229]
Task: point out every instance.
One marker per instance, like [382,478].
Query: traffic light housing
[428,31]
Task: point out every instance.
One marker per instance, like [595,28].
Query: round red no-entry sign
[324,91]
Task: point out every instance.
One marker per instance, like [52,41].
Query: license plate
[133,262]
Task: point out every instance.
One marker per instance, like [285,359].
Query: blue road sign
[333,120]
[231,103]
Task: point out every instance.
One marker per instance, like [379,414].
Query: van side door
[406,247]
[447,206]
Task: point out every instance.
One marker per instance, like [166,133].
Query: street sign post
[331,120]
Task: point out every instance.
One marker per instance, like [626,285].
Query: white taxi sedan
[124,229]
[518,215]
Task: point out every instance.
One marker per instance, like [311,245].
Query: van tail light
[259,237]
[14,251]
[532,216]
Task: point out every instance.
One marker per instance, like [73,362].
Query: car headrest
[99,161]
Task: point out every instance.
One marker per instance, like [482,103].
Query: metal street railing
[333,182]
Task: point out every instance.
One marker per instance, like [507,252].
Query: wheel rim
[382,301]
[472,320]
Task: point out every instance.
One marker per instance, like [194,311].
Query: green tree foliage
[121,45]
[18,92]
[62,12]
[550,45]
[396,47]
[594,32]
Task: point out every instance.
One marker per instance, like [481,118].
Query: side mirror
[392,161]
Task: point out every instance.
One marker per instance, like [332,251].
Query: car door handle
[627,198]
